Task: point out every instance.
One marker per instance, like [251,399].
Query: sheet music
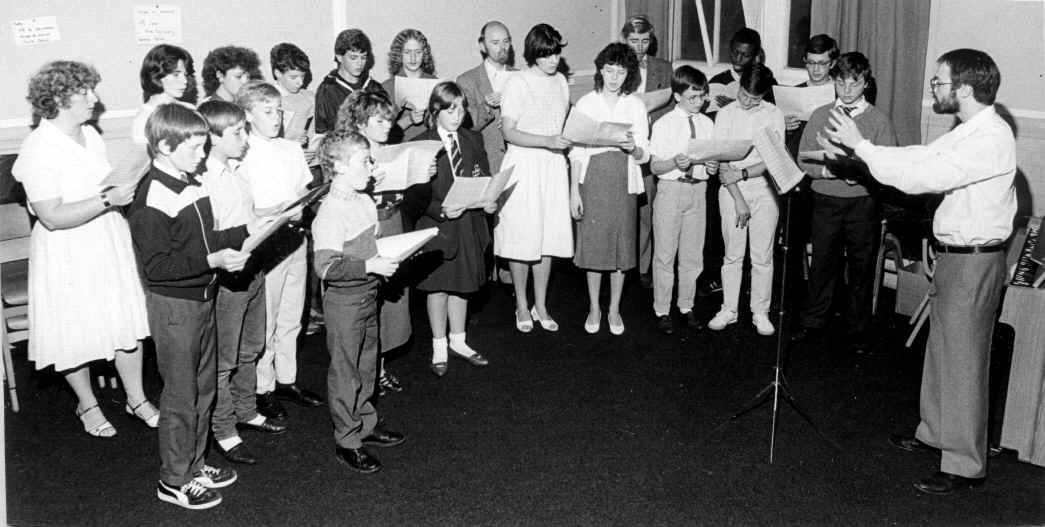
[475,192]
[581,129]
[405,164]
[414,92]
[255,239]
[801,102]
[401,246]
[655,99]
[714,90]
[130,168]
[701,150]
[782,169]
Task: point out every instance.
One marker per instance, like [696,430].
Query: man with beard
[973,166]
[482,87]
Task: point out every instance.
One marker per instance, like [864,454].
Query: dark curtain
[657,13]
[894,34]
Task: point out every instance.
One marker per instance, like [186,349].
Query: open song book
[401,246]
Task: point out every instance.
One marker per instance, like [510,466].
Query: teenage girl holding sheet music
[410,56]
[534,222]
[371,115]
[606,181]
[454,264]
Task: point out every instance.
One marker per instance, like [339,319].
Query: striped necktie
[848,110]
[455,156]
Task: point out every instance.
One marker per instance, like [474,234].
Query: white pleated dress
[535,219]
[85,294]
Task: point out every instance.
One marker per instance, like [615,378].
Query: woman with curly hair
[85,297]
[226,70]
[167,76]
[409,56]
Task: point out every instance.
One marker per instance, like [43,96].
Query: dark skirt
[606,234]
[394,297]
[461,266]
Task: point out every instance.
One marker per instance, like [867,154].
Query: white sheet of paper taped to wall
[157,24]
[36,30]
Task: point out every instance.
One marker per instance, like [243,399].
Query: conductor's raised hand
[228,259]
[832,151]
[842,129]
[556,142]
[382,266]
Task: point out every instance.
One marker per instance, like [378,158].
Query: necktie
[848,110]
[455,156]
[692,135]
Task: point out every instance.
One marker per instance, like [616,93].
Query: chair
[921,313]
[14,286]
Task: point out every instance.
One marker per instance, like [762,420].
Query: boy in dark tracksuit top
[178,253]
[345,240]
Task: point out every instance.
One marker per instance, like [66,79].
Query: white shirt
[498,76]
[670,137]
[275,170]
[734,122]
[229,193]
[627,109]
[973,166]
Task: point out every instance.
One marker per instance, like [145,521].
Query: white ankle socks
[459,346]
[229,443]
[438,350]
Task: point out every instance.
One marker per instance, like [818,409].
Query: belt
[968,249]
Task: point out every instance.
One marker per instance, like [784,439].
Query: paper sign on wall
[37,30]
[157,24]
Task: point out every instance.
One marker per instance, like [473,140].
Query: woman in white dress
[534,223]
[167,76]
[85,296]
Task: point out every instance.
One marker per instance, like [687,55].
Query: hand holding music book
[405,164]
[582,130]
[701,150]
[475,192]
[401,246]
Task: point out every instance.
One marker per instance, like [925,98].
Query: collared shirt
[229,193]
[627,109]
[973,166]
[670,137]
[498,76]
[275,170]
[857,107]
[734,122]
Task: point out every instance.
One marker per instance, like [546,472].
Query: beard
[948,104]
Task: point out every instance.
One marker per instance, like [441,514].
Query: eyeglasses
[818,64]
[936,83]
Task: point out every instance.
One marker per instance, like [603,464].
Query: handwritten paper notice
[33,31]
[157,24]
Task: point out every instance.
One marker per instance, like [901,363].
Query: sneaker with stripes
[192,495]
[215,477]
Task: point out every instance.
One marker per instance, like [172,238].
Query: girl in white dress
[167,76]
[534,223]
[85,296]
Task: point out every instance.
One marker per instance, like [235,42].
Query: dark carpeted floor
[562,429]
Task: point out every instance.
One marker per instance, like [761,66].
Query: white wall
[1013,33]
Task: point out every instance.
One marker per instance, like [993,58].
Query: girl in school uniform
[454,266]
[167,76]
[371,114]
[606,181]
[409,56]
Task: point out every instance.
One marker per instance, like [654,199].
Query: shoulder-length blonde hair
[395,52]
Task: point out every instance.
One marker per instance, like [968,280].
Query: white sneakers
[722,319]
[726,317]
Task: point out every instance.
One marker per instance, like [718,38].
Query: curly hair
[161,61]
[224,59]
[52,86]
[331,147]
[618,54]
[359,107]
[395,52]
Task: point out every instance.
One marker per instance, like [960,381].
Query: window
[783,25]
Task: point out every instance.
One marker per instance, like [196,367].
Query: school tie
[688,176]
[848,110]
[455,156]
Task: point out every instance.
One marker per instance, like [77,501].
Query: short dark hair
[285,57]
[161,61]
[976,69]
[757,80]
[746,35]
[359,106]
[686,77]
[52,86]
[172,124]
[352,40]
[640,24]
[852,65]
[822,43]
[223,59]
[221,114]
[443,95]
[542,41]
[330,146]
[618,54]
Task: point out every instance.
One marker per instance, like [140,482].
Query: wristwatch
[743,174]
[105,200]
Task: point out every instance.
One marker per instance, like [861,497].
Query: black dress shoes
[239,454]
[694,323]
[269,407]
[942,483]
[665,325]
[383,438]
[911,444]
[266,426]
[358,459]
[298,396]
